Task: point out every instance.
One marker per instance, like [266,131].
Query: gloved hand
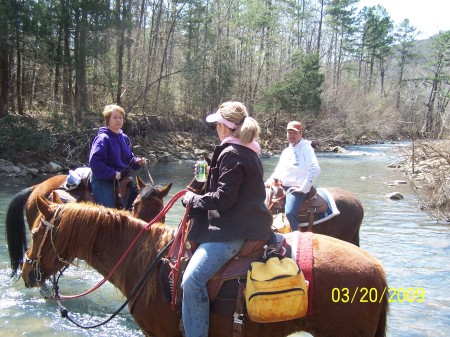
[187,197]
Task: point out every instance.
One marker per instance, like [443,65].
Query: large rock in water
[394,196]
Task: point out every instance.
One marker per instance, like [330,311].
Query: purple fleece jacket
[111,152]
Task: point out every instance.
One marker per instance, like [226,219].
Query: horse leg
[355,239]
[346,225]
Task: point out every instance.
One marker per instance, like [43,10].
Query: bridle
[159,201]
[50,227]
[50,231]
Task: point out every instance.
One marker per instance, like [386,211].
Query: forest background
[349,75]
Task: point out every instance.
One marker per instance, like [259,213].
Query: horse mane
[93,231]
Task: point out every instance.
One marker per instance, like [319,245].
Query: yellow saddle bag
[276,291]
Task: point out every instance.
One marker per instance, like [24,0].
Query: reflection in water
[413,249]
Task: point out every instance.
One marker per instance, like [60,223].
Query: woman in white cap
[230,212]
[297,169]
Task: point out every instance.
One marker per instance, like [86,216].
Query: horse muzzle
[32,277]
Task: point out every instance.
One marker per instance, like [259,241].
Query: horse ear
[43,206]
[163,191]
[56,198]
[140,182]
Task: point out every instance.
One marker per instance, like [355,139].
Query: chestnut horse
[146,206]
[344,226]
[100,236]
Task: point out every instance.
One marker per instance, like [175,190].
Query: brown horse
[146,206]
[343,274]
[344,226]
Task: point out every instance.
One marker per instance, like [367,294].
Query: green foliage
[300,90]
[377,33]
[18,135]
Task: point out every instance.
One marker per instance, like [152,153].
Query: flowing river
[412,247]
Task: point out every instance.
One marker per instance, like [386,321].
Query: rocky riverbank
[427,166]
[160,148]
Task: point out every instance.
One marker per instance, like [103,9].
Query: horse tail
[15,229]
[382,322]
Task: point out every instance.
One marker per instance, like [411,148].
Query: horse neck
[104,241]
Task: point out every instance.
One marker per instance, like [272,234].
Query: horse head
[275,197]
[149,201]
[41,260]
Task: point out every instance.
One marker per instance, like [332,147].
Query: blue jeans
[103,190]
[206,261]
[292,207]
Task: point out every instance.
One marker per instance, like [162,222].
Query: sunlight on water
[412,248]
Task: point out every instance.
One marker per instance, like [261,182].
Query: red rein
[147,227]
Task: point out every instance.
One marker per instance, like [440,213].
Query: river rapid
[413,249]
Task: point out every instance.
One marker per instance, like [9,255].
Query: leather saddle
[312,206]
[81,190]
[223,287]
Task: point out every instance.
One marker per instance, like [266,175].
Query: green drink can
[201,175]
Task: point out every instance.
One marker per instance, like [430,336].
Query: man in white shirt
[297,169]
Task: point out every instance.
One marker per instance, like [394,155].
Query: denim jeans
[292,207]
[206,261]
[103,190]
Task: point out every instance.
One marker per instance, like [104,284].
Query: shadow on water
[413,249]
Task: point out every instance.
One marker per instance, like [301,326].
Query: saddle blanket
[301,245]
[331,211]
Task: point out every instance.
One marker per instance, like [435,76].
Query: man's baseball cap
[294,125]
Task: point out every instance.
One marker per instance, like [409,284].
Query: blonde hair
[108,110]
[247,128]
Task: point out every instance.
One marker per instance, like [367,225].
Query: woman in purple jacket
[230,212]
[111,157]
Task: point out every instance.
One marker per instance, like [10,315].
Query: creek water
[412,247]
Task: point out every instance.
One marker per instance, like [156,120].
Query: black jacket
[233,205]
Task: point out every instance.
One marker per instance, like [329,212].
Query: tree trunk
[19,79]
[80,64]
[120,9]
[67,65]
[319,33]
[4,65]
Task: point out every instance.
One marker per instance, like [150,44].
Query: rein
[149,175]
[160,215]
[65,313]
[137,288]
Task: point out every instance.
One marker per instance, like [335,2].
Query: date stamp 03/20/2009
[374,295]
